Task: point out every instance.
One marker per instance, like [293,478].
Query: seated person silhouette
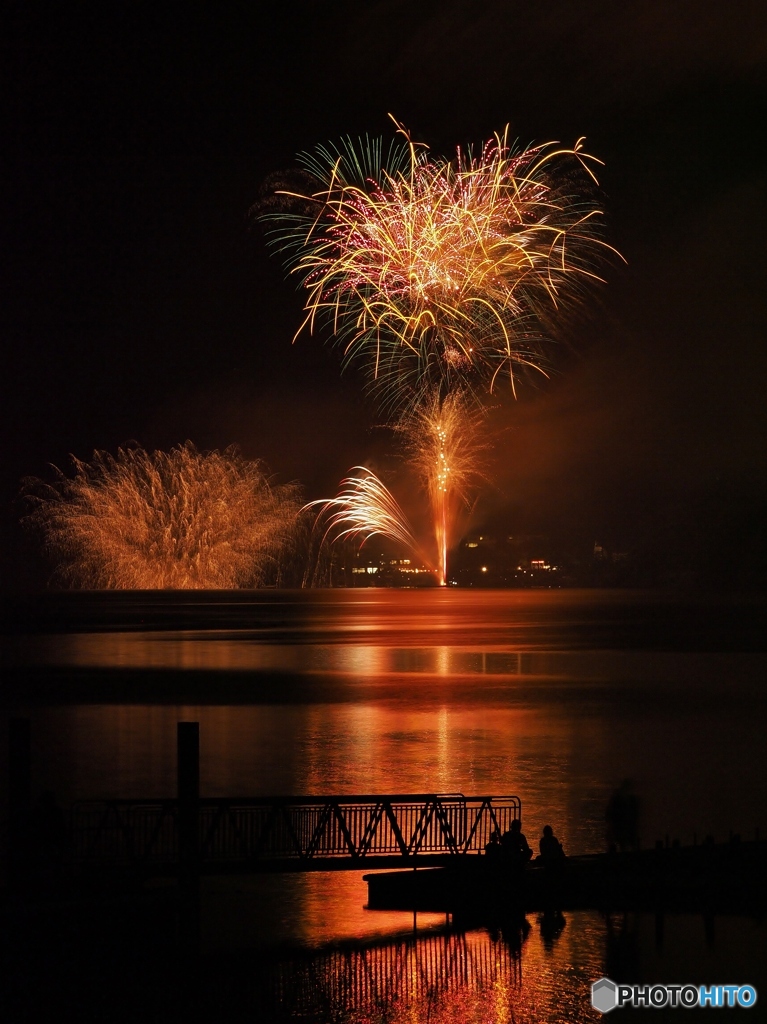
[493,848]
[514,844]
[550,847]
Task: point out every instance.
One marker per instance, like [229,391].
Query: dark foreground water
[555,696]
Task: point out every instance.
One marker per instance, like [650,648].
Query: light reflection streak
[411,979]
[222,651]
[190,651]
[445,977]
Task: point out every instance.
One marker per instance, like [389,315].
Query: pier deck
[725,878]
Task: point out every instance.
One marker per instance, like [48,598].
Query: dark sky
[137,303]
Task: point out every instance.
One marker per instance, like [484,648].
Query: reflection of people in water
[622,817]
[552,923]
[514,844]
[512,932]
[550,847]
[622,955]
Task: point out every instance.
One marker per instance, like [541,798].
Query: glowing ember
[181,519]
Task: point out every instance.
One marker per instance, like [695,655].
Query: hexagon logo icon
[604,995]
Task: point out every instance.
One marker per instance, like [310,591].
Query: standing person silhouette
[622,817]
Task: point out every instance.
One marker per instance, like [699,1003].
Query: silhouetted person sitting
[551,848]
[514,845]
[493,848]
[622,817]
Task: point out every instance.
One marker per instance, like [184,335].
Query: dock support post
[188,762]
[709,928]
[19,795]
[659,928]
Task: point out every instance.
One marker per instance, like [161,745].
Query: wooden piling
[19,795]
[188,780]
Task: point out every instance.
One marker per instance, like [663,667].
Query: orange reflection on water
[209,651]
[452,977]
[396,740]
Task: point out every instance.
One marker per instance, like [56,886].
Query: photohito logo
[608,995]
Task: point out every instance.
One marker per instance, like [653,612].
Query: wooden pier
[442,835]
[189,835]
[709,878]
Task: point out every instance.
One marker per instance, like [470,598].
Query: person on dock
[514,845]
[622,817]
[493,848]
[551,849]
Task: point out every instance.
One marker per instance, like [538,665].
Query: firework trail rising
[164,520]
[438,274]
[446,444]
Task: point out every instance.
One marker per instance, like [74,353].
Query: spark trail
[446,443]
[363,508]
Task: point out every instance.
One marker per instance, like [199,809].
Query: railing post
[188,825]
[19,795]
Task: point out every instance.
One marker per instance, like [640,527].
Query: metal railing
[291,833]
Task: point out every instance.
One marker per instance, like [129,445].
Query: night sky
[139,302]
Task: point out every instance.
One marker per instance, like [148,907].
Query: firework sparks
[164,520]
[442,274]
[441,278]
[363,508]
[446,443]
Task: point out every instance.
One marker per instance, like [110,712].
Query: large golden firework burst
[181,519]
[437,274]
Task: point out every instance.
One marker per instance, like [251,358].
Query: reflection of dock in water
[411,970]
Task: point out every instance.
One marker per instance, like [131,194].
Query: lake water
[555,696]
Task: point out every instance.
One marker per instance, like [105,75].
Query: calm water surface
[552,695]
